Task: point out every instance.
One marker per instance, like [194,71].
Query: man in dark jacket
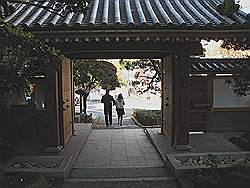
[107,100]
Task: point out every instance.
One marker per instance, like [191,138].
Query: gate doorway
[134,89]
[113,151]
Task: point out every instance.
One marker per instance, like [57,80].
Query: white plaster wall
[224,97]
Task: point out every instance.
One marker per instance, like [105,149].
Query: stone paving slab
[212,142]
[208,142]
[119,158]
[125,172]
[150,182]
[128,123]
[118,147]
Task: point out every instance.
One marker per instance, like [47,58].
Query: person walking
[119,103]
[107,100]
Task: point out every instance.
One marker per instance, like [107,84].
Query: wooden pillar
[166,97]
[52,111]
[210,79]
[72,95]
[181,100]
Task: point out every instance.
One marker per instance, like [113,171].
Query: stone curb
[77,151]
[118,179]
[141,125]
[157,148]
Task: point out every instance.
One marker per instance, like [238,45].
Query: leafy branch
[148,65]
[228,7]
[89,74]
[22,57]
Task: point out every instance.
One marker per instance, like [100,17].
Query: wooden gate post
[167,97]
[52,111]
[181,102]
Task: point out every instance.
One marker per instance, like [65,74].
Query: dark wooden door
[67,99]
[199,105]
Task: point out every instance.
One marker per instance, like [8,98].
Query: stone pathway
[128,123]
[119,158]
[118,147]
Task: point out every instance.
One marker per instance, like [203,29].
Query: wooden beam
[181,100]
[123,49]
[240,34]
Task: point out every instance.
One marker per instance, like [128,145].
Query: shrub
[148,117]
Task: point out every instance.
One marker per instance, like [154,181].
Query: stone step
[148,182]
[119,172]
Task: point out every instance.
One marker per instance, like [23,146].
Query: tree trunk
[85,102]
[80,103]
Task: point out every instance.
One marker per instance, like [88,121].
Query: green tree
[21,58]
[90,74]
[241,79]
[228,7]
[150,65]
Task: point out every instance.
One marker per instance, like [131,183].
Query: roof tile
[200,65]
[136,13]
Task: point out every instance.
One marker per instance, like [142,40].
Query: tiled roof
[218,65]
[141,14]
